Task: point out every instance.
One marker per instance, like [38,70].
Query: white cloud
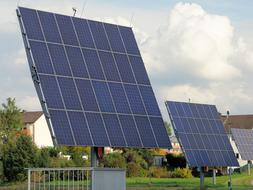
[20,57]
[29,103]
[197,55]
[194,40]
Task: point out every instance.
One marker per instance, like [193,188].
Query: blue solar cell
[99,35]
[109,66]
[200,141]
[129,40]
[134,98]
[187,110]
[69,93]
[178,125]
[119,97]
[160,131]
[87,95]
[67,30]
[98,132]
[103,96]
[205,158]
[214,111]
[41,57]
[80,129]
[184,141]
[93,64]
[61,127]
[83,32]
[51,91]
[190,158]
[49,27]
[114,38]
[59,60]
[192,123]
[201,110]
[145,130]
[114,130]
[172,109]
[77,63]
[139,70]
[180,110]
[124,68]
[186,125]
[130,131]
[198,158]
[193,143]
[31,23]
[149,100]
[194,110]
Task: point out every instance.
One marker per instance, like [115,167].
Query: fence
[59,178]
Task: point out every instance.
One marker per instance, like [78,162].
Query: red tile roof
[238,121]
[31,117]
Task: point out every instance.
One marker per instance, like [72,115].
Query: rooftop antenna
[74,10]
[18,2]
[84,5]
[131,20]
[189,100]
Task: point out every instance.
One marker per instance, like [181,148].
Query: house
[240,122]
[36,126]
[176,149]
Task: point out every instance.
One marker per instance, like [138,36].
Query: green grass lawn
[239,181]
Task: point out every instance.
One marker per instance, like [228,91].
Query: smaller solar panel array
[201,134]
[244,142]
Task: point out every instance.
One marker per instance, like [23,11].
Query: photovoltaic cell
[67,30]
[49,27]
[41,57]
[201,134]
[91,81]
[244,141]
[83,32]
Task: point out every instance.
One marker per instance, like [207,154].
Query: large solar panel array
[92,82]
[244,142]
[201,134]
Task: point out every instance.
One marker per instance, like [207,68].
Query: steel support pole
[248,167]
[201,175]
[214,176]
[230,179]
[29,179]
[94,163]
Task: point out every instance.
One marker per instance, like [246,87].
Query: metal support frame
[249,165]
[202,177]
[230,179]
[214,176]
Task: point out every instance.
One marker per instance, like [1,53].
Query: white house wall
[42,136]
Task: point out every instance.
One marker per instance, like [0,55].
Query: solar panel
[201,134]
[91,81]
[244,142]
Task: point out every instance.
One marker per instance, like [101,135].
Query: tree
[18,155]
[10,119]
[168,128]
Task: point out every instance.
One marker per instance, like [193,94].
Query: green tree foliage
[176,161]
[113,160]
[10,119]
[19,155]
[43,157]
[168,128]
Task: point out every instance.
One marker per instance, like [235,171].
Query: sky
[200,50]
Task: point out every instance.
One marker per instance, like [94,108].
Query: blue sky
[201,49]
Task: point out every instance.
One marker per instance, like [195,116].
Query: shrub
[19,156]
[135,170]
[158,172]
[181,173]
[113,160]
[1,172]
